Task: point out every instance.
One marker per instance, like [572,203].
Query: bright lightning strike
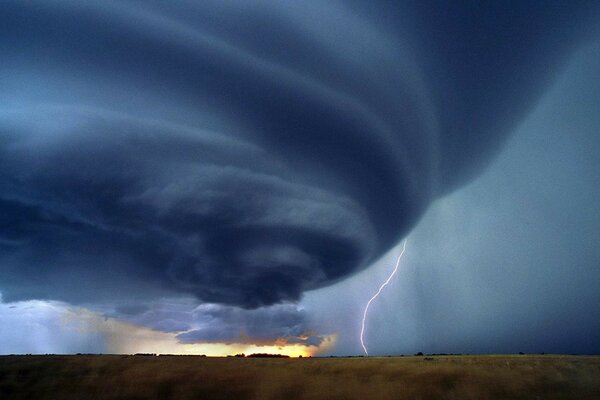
[362,329]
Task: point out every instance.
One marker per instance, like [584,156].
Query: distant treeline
[266,355]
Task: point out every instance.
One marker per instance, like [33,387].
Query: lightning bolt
[362,329]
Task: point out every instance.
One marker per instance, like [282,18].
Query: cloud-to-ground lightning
[362,329]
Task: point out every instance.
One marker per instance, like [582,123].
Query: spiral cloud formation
[245,152]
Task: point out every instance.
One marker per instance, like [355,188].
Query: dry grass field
[189,377]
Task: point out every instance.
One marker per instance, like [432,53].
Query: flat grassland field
[193,377]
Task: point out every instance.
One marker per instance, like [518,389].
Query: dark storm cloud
[281,323]
[215,323]
[245,152]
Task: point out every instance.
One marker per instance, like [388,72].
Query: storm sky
[240,174]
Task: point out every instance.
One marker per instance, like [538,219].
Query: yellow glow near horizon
[126,338]
[164,343]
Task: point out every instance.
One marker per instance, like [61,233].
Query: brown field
[189,377]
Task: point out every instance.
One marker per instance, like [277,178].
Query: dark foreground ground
[188,377]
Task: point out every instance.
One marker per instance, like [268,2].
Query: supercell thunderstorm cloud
[246,152]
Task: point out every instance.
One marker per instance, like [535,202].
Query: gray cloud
[243,152]
[165,315]
[216,323]
[281,323]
